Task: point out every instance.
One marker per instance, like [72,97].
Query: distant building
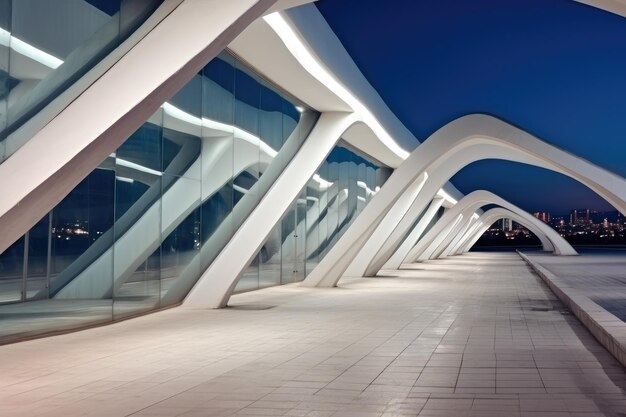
[544,216]
[506,225]
[580,217]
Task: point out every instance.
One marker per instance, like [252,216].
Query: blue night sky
[555,68]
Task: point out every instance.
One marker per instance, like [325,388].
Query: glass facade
[45,46]
[135,234]
[324,210]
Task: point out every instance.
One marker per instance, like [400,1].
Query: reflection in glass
[136,234]
[324,210]
[46,46]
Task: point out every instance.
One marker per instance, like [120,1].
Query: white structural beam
[399,211]
[617,7]
[493,215]
[446,247]
[397,258]
[465,140]
[216,284]
[385,247]
[432,245]
[67,150]
[436,249]
[456,250]
[441,171]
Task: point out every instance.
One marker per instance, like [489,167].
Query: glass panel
[270,259]
[52,44]
[138,190]
[6,82]
[247,154]
[180,228]
[289,266]
[70,229]
[136,234]
[37,269]
[11,272]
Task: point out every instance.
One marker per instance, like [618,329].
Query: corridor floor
[475,335]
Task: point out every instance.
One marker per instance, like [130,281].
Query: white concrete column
[449,246]
[398,257]
[465,238]
[216,284]
[457,144]
[398,211]
[550,239]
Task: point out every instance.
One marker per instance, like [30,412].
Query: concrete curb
[609,330]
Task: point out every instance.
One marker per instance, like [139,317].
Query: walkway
[477,335]
[601,276]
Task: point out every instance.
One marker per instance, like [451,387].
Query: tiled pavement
[477,335]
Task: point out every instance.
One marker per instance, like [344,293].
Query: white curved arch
[465,140]
[397,258]
[546,242]
[491,216]
[456,250]
[399,210]
[218,281]
[433,244]
[442,168]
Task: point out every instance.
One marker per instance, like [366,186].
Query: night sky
[555,68]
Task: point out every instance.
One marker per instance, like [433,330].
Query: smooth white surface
[397,258]
[421,341]
[429,247]
[217,283]
[465,140]
[389,222]
[298,48]
[493,215]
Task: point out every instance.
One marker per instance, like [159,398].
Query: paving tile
[456,337]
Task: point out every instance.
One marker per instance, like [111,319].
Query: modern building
[580,216]
[543,216]
[176,152]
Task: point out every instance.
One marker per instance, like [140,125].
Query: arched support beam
[401,209]
[432,245]
[465,237]
[398,257]
[440,171]
[216,284]
[493,215]
[465,140]
[467,225]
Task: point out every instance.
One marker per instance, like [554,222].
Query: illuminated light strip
[301,53]
[442,193]
[222,127]
[124,179]
[28,50]
[240,189]
[132,165]
[361,198]
[475,216]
